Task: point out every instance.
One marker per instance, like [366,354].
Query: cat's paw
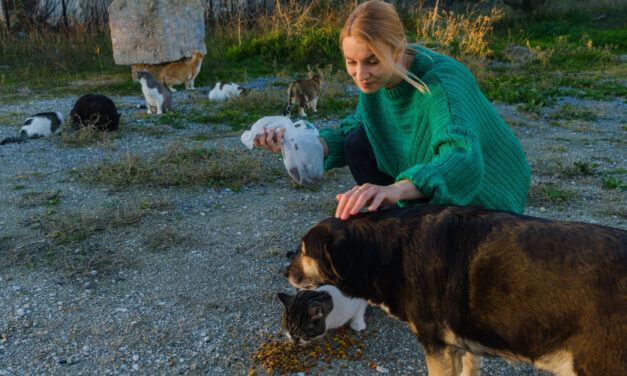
[358,326]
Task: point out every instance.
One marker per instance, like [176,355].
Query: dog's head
[324,257]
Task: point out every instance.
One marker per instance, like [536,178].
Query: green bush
[315,46]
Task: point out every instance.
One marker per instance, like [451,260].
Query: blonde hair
[377,24]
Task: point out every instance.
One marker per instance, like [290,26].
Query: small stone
[20,312]
[16,288]
[85,348]
[135,357]
[382,369]
[94,272]
[136,367]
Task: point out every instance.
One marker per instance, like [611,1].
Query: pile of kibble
[284,357]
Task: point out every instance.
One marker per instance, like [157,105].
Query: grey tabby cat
[310,313]
[158,98]
[305,93]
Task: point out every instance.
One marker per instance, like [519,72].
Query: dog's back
[552,293]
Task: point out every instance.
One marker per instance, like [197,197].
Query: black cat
[97,110]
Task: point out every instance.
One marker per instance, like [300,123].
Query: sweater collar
[421,64]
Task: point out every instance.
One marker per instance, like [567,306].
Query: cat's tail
[13,140]
[288,109]
[291,99]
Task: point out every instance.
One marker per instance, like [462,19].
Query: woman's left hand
[351,202]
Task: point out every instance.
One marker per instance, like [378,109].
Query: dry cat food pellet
[276,354]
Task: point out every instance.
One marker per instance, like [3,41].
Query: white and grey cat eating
[311,313]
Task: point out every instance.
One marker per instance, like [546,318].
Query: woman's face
[364,67]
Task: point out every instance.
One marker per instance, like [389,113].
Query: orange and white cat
[182,72]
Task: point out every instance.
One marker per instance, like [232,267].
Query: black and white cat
[158,98]
[222,91]
[42,124]
[310,313]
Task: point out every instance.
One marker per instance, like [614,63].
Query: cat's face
[304,315]
[143,74]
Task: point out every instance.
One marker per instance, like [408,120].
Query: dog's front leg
[471,364]
[444,362]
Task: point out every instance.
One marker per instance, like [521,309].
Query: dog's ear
[315,241]
[285,299]
[338,256]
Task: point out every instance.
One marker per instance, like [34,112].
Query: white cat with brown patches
[304,93]
[182,72]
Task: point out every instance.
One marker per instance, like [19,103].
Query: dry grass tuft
[183,166]
[457,34]
[84,136]
[463,37]
[72,242]
[162,240]
[548,193]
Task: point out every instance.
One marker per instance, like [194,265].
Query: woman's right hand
[270,140]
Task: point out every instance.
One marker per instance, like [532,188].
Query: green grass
[567,43]
[613,182]
[570,112]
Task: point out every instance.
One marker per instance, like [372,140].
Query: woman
[422,133]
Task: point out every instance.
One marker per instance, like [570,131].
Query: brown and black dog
[473,282]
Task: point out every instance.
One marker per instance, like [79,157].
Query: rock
[156,31]
[382,369]
[518,54]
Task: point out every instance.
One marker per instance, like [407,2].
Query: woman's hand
[351,202]
[270,140]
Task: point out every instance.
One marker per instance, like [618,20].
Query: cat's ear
[315,312]
[285,299]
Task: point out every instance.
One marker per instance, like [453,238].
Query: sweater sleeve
[334,137]
[454,174]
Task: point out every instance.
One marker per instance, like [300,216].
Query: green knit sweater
[450,142]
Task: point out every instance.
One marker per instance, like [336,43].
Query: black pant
[361,161]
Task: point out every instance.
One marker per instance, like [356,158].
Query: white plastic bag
[303,155]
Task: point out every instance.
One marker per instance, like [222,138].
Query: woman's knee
[356,144]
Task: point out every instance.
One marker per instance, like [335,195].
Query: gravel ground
[205,302]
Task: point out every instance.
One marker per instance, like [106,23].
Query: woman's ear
[401,51]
